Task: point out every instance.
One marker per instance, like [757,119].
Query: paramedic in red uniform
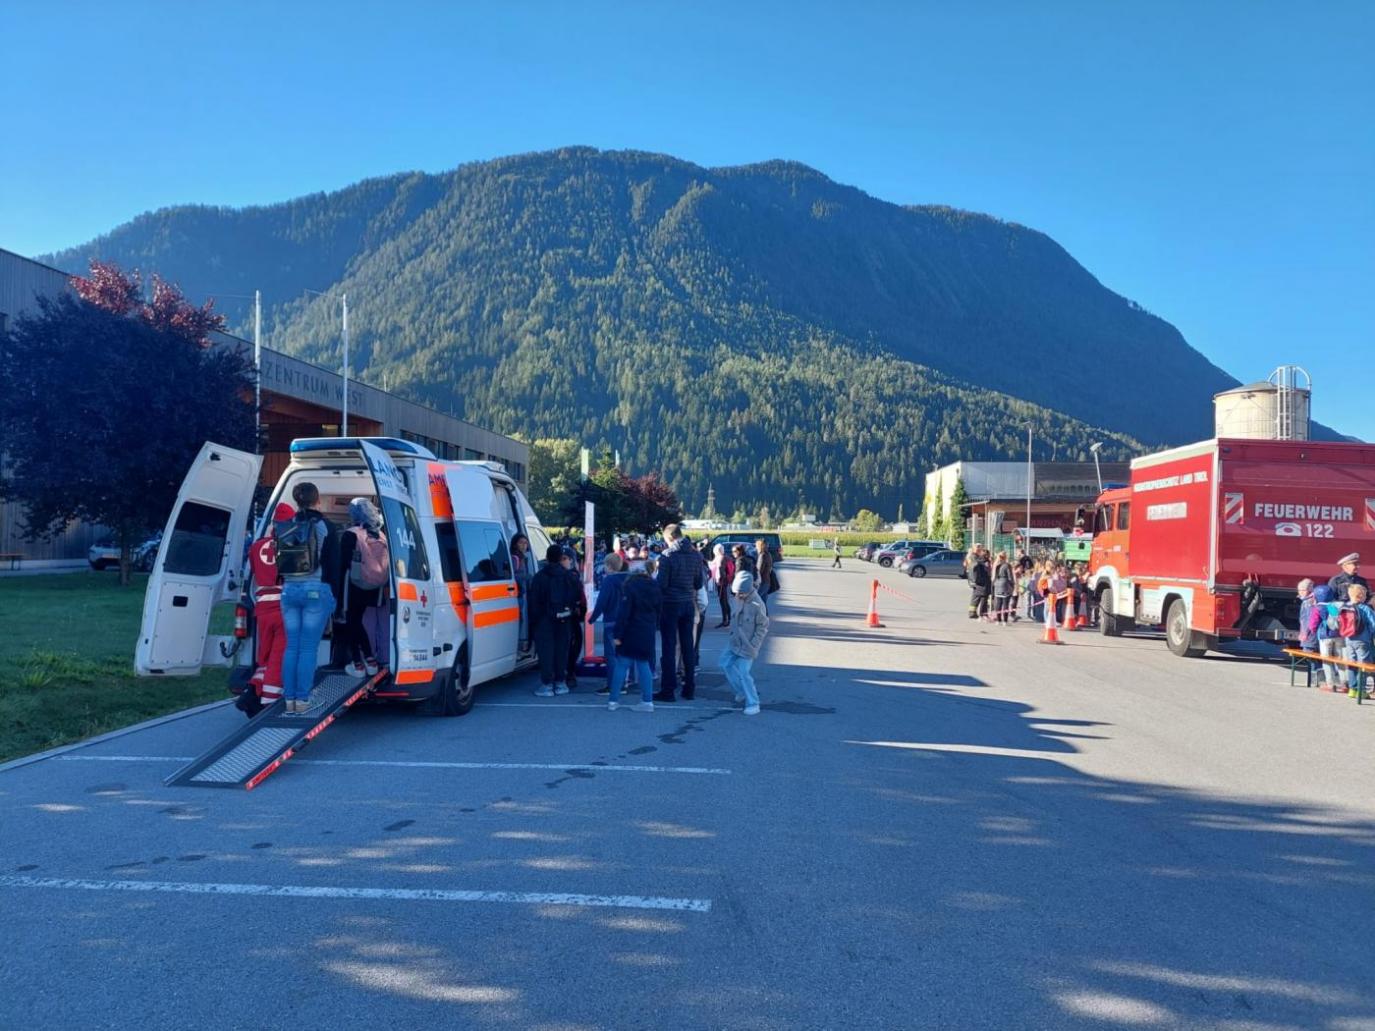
[267,612]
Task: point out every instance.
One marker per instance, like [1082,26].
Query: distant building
[299,400]
[997,492]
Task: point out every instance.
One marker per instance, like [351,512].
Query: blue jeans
[306,608]
[1356,651]
[618,672]
[738,674]
[609,651]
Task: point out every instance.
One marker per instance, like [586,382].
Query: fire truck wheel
[1180,638]
[457,696]
[1108,625]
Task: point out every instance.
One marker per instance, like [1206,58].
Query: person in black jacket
[680,577]
[553,599]
[980,583]
[575,635]
[632,634]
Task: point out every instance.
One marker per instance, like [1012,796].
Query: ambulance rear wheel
[1179,636]
[457,696]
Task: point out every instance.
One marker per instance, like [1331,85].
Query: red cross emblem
[424,599]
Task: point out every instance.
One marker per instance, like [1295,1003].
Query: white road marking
[306,891]
[671,707]
[418,764]
[1012,753]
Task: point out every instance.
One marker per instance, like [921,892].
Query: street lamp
[344,420]
[1096,470]
[1026,532]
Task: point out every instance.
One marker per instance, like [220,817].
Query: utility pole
[344,428]
[1026,539]
[258,371]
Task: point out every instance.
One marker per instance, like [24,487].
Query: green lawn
[67,662]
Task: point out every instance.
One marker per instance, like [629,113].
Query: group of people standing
[306,576]
[999,586]
[1336,619]
[660,597]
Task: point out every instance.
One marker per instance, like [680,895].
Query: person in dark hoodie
[680,577]
[980,583]
[632,633]
[554,597]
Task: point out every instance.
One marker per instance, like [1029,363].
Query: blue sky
[1213,161]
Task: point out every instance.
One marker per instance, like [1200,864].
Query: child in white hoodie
[749,626]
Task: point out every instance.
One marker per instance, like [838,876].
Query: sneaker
[604,690]
[644,707]
[545,691]
[739,698]
[371,668]
[1351,692]
[751,710]
[560,689]
[689,694]
[661,696]
[612,706]
[356,669]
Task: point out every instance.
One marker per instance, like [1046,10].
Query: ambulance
[454,609]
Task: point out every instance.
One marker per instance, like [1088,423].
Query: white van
[455,617]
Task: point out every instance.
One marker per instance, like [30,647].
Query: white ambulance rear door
[199,565]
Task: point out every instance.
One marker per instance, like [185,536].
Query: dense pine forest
[762,329]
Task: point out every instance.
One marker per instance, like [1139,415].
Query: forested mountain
[761,328]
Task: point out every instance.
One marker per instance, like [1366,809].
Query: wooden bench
[1315,659]
[13,558]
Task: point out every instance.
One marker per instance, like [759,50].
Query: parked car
[937,563]
[103,555]
[891,554]
[747,538]
[866,552]
[106,554]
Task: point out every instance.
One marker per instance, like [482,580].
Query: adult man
[835,547]
[680,577]
[1348,576]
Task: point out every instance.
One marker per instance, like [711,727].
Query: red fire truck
[1208,540]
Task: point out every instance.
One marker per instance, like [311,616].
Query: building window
[471,455]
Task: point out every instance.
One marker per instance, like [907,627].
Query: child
[1356,622]
[748,630]
[1322,619]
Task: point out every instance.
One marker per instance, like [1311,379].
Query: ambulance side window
[485,554]
[197,543]
[449,559]
[1124,511]
[407,545]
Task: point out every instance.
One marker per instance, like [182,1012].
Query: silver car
[938,563]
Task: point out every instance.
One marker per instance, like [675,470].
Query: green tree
[552,477]
[102,411]
[955,526]
[866,521]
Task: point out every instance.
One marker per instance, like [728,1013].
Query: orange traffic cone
[1050,636]
[1071,616]
[873,606]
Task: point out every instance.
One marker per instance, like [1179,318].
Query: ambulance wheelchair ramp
[253,753]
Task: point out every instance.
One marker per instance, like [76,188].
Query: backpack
[1349,621]
[371,558]
[298,547]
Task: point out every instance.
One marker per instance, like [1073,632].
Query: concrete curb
[156,721]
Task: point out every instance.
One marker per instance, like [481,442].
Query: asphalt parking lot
[935,824]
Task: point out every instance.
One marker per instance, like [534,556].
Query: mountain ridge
[591,293]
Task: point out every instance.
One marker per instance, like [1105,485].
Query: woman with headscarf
[364,564]
[722,573]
